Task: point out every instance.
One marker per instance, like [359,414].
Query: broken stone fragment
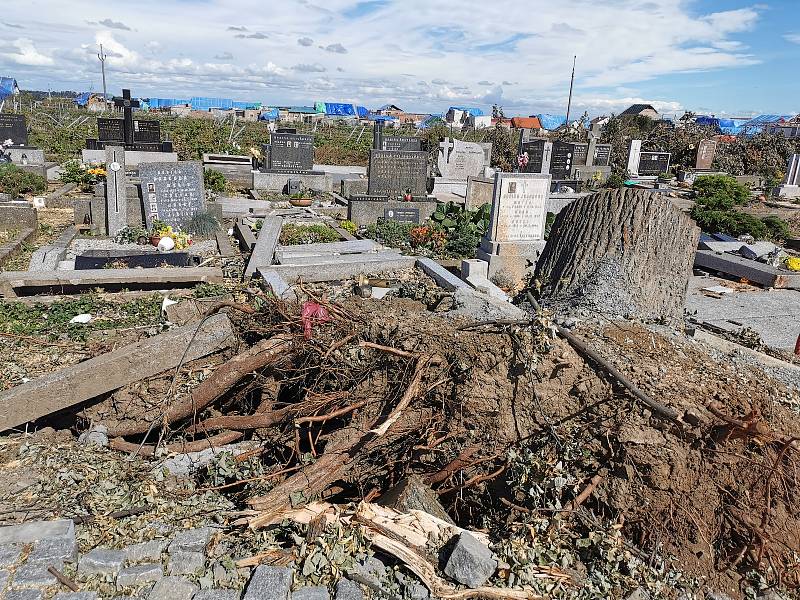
[274,583]
[101,561]
[216,595]
[23,595]
[9,554]
[149,551]
[65,548]
[186,563]
[412,493]
[138,575]
[192,540]
[96,436]
[348,590]
[470,562]
[35,574]
[76,596]
[312,593]
[173,588]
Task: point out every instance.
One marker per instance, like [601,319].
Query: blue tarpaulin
[431,121]
[475,112]
[202,103]
[80,99]
[340,110]
[8,87]
[551,122]
[269,115]
[383,118]
[363,113]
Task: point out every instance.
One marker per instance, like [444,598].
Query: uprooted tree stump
[620,253]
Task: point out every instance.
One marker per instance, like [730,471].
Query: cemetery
[334,358]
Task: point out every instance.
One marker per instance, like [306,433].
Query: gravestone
[515,237]
[634,154]
[602,155]
[291,153]
[562,160]
[460,160]
[580,154]
[791,183]
[653,163]
[399,142]
[147,132]
[13,127]
[172,192]
[111,130]
[391,173]
[116,190]
[705,155]
[291,130]
[134,135]
[402,215]
[539,153]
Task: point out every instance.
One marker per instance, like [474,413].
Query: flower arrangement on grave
[83,175]
[428,237]
[523,160]
[161,230]
[408,196]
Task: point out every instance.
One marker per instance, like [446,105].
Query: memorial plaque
[459,160]
[580,154]
[561,160]
[172,192]
[147,132]
[519,207]
[705,155]
[602,155]
[404,143]
[653,163]
[291,153]
[111,130]
[391,173]
[402,215]
[291,130]
[14,128]
[536,155]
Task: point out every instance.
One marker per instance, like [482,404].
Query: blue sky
[725,57]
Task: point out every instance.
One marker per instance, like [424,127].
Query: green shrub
[391,233]
[15,181]
[720,192]
[738,223]
[615,181]
[213,180]
[203,224]
[293,235]
[463,228]
[777,228]
[349,227]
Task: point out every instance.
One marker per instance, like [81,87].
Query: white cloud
[27,54]
[621,45]
[794,38]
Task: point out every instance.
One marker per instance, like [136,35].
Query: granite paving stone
[186,563]
[145,551]
[217,595]
[173,588]
[267,582]
[23,595]
[27,533]
[192,540]
[348,590]
[139,574]
[101,561]
[76,596]
[35,574]
[318,592]
[470,562]
[64,548]
[9,554]
[4,577]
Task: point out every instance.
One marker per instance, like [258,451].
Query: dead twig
[63,579]
[214,441]
[387,349]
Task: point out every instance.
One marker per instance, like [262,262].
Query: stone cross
[116,190]
[592,149]
[127,105]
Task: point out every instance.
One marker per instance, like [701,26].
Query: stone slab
[267,241]
[224,244]
[26,156]
[277,284]
[286,253]
[442,186]
[342,270]
[76,596]
[269,583]
[444,278]
[278,182]
[27,533]
[316,592]
[133,158]
[217,595]
[29,594]
[102,561]
[99,375]
[245,235]
[16,282]
[191,540]
[139,575]
[348,590]
[173,588]
[61,548]
[753,271]
[17,215]
[332,259]
[186,563]
[9,555]
[367,212]
[35,574]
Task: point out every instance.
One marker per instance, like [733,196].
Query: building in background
[641,110]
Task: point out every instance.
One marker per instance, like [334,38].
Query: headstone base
[26,155]
[511,261]
[588,174]
[366,210]
[789,191]
[279,182]
[133,158]
[449,186]
[354,187]
[480,191]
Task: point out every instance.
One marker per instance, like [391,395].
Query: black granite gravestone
[172,192]
[147,132]
[535,150]
[402,215]
[562,160]
[291,153]
[653,163]
[602,155]
[144,136]
[14,128]
[111,130]
[391,173]
[580,153]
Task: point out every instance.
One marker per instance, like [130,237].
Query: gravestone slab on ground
[705,155]
[391,173]
[172,192]
[458,159]
[515,237]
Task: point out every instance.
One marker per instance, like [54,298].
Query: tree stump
[619,253]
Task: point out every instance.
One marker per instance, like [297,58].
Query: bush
[737,223]
[391,233]
[294,235]
[615,181]
[15,181]
[203,224]
[213,180]
[720,192]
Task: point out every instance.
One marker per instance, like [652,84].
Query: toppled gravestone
[625,253]
[471,562]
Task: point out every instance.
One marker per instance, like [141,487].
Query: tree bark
[621,253]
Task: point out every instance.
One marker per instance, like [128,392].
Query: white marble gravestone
[791,183]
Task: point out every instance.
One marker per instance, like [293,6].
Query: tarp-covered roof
[383,118]
[269,115]
[303,110]
[202,103]
[550,122]
[339,109]
[430,121]
[8,87]
[475,112]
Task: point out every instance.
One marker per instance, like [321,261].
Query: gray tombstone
[459,160]
[391,173]
[291,153]
[172,192]
[791,183]
[705,155]
[590,151]
[634,155]
[400,142]
[116,192]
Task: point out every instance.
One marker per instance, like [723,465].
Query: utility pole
[102,57]
[571,82]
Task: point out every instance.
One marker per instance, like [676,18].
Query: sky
[722,57]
